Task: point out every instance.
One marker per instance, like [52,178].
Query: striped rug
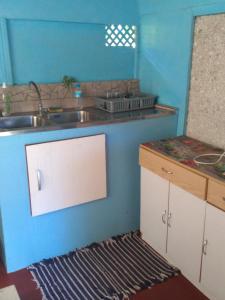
[113,269]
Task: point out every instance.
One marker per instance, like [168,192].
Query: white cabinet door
[185,232]
[154,208]
[66,173]
[213,266]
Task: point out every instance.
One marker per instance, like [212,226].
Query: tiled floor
[175,289]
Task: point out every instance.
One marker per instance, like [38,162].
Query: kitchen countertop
[184,149]
[97,117]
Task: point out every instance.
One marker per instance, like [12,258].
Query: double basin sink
[72,118]
[33,121]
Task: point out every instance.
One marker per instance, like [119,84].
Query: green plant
[68,82]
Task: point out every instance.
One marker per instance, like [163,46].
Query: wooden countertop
[184,149]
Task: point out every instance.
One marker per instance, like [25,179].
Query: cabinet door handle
[166,171]
[38,173]
[164,217]
[204,247]
[169,220]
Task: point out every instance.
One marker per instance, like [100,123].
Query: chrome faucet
[40,105]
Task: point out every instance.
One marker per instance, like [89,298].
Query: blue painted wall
[28,240]
[47,39]
[77,49]
[166,38]
[82,11]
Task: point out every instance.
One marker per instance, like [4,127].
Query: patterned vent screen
[120,36]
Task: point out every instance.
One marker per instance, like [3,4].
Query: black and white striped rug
[113,269]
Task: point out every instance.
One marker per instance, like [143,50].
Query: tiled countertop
[184,149]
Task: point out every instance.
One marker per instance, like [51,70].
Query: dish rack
[122,104]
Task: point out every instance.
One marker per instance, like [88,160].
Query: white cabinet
[66,173]
[183,218]
[185,232]
[172,222]
[213,265]
[154,208]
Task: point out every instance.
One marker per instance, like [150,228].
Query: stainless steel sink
[19,122]
[72,116]
[32,121]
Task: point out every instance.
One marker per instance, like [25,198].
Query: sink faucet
[40,105]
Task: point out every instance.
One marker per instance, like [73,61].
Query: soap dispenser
[6,99]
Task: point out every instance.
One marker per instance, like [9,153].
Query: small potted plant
[68,82]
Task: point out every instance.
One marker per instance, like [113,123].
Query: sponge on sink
[55,109]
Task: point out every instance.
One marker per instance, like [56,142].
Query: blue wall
[166,38]
[77,49]
[29,239]
[82,11]
[45,40]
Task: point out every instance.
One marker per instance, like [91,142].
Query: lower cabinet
[213,264]
[172,222]
[154,210]
[183,219]
[66,173]
[185,232]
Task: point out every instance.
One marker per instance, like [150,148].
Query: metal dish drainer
[122,104]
